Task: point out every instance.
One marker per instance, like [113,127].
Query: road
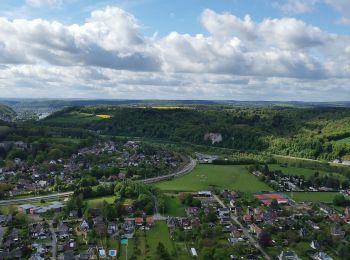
[54,241]
[188,168]
[245,231]
[37,198]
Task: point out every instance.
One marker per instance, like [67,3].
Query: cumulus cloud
[109,56]
[109,38]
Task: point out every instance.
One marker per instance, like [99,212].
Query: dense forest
[316,132]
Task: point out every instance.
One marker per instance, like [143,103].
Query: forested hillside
[318,133]
[6,113]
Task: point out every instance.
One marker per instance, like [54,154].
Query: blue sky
[183,49]
[180,15]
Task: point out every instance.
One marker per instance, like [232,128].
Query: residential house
[150,221]
[336,232]
[321,256]
[303,232]
[84,226]
[255,229]
[4,219]
[139,222]
[248,218]
[112,228]
[315,245]
[63,231]
[288,255]
[192,211]
[25,208]
[172,222]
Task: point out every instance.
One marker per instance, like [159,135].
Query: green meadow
[203,177]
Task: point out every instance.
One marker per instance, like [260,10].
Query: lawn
[95,203]
[173,207]
[159,233]
[326,197]
[234,177]
[303,171]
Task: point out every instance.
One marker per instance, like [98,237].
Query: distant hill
[308,132]
[62,103]
[6,113]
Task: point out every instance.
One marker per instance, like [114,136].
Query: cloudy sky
[183,49]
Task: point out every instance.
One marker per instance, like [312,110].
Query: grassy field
[66,140]
[234,177]
[303,171]
[148,241]
[343,141]
[174,207]
[94,203]
[75,118]
[326,197]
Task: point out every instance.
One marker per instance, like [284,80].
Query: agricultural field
[104,116]
[303,171]
[203,177]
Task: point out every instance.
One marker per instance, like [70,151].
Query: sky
[275,50]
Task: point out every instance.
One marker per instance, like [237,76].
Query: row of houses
[55,206]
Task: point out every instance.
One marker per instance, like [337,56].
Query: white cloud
[108,56]
[342,6]
[43,3]
[344,21]
[296,6]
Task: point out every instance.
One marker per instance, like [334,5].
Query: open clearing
[174,207]
[307,173]
[95,203]
[234,177]
[74,118]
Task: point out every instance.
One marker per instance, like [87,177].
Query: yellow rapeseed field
[104,116]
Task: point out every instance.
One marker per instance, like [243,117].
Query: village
[106,161]
[255,226]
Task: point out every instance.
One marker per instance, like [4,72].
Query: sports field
[234,177]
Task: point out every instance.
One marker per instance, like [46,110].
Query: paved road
[54,241]
[245,231]
[37,198]
[188,168]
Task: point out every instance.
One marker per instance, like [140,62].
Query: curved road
[188,168]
